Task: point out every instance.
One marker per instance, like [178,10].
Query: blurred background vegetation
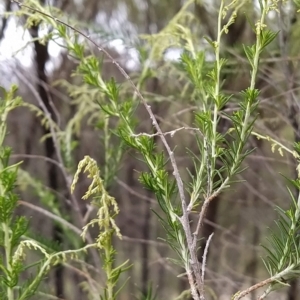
[137,34]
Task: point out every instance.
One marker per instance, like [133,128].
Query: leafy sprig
[107,211]
[283,256]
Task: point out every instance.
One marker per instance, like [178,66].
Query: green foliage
[110,109]
[283,252]
[12,228]
[149,295]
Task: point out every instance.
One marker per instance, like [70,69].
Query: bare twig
[77,230]
[133,192]
[275,278]
[93,282]
[202,215]
[171,133]
[34,156]
[253,288]
[204,258]
[52,216]
[66,176]
[143,241]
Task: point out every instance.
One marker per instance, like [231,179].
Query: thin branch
[171,133]
[265,282]
[204,260]
[253,288]
[77,230]
[52,216]
[34,156]
[201,219]
[143,241]
[133,192]
[92,282]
